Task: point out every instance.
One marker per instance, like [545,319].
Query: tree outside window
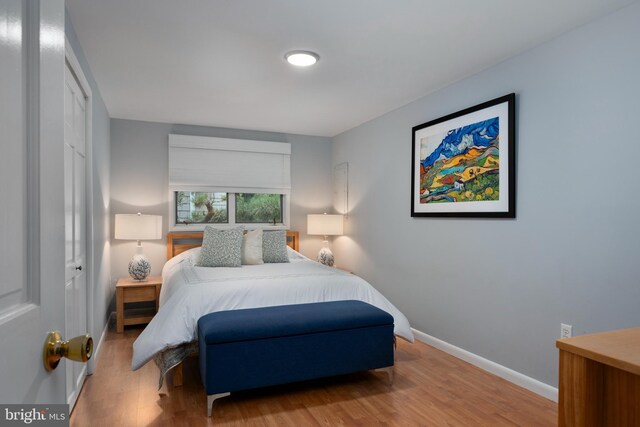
[258,208]
[201,208]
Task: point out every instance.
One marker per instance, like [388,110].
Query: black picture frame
[461,163]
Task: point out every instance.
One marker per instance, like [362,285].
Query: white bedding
[189,292]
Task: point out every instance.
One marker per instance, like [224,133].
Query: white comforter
[189,292]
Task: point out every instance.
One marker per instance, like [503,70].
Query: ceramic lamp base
[325,256]
[139,267]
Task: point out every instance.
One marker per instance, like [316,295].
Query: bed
[189,292]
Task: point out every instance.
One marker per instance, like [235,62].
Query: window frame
[175,207]
[231,208]
[235,209]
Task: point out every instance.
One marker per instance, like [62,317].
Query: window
[228,181]
[201,207]
[258,208]
[206,207]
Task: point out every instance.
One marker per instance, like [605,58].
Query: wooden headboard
[178,242]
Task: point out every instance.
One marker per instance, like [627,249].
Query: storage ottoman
[251,348]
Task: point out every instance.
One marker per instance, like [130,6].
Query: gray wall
[139,180]
[500,288]
[103,292]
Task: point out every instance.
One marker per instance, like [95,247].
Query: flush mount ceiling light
[301,58]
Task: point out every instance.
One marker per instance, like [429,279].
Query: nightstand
[130,290]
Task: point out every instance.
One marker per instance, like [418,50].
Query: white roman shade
[227,164]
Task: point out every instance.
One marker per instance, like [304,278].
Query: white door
[75,224]
[32,197]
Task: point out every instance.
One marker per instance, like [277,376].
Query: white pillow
[252,247]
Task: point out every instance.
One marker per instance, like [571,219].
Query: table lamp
[325,225]
[138,227]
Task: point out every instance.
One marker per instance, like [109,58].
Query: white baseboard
[91,365]
[510,375]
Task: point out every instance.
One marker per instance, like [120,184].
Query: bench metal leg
[211,398]
[389,371]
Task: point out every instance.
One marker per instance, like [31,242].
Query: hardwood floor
[431,388]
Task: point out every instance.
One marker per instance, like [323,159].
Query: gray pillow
[221,248]
[274,246]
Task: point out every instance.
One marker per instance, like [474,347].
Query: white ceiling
[221,62]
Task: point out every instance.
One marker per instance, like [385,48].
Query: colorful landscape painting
[461,165]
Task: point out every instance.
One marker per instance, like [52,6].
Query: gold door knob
[79,349]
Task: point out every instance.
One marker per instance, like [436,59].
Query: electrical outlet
[565,330]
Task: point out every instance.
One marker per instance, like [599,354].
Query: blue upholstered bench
[251,348]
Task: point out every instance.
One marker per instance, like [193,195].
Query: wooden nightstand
[130,290]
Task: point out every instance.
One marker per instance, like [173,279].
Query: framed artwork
[464,164]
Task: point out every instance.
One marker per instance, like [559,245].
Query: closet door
[75,117]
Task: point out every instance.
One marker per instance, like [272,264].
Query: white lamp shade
[325,225]
[138,227]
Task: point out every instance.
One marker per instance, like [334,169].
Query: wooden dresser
[600,379]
